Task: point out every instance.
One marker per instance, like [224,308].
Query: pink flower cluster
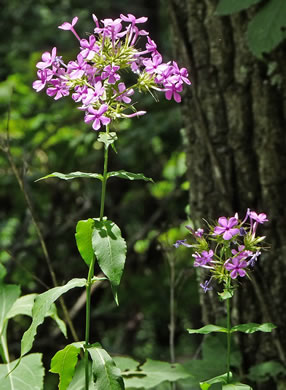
[236,247]
[94,78]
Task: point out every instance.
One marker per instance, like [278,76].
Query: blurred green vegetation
[47,136]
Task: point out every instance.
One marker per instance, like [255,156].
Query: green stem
[91,271]
[228,339]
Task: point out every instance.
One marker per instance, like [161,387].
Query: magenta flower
[151,46]
[226,227]
[236,267]
[89,48]
[69,26]
[97,117]
[76,69]
[154,64]
[44,76]
[93,95]
[80,93]
[132,19]
[172,90]
[260,218]
[110,72]
[124,95]
[58,90]
[183,73]
[47,59]
[241,254]
[202,259]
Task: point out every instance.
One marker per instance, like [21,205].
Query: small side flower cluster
[229,250]
[94,78]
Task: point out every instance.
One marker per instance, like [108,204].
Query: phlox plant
[227,252]
[95,80]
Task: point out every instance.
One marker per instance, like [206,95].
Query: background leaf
[63,363]
[208,329]
[110,250]
[83,238]
[218,379]
[126,363]
[252,327]
[264,31]
[72,175]
[22,305]
[8,295]
[152,373]
[129,175]
[227,7]
[28,375]
[41,307]
[108,376]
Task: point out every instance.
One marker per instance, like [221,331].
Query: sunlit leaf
[208,329]
[8,295]
[41,307]
[252,327]
[236,386]
[28,374]
[107,139]
[83,238]
[72,175]
[110,251]
[129,176]
[218,379]
[63,363]
[22,305]
[108,376]
[126,363]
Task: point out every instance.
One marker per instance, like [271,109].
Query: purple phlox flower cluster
[94,78]
[227,227]
[203,259]
[228,250]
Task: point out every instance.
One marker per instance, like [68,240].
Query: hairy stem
[91,269]
[228,339]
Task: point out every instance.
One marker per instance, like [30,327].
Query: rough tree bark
[234,116]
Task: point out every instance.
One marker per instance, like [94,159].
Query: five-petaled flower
[236,267]
[226,227]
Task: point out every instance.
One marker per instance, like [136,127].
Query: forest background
[222,150]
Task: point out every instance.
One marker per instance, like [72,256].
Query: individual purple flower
[44,75]
[93,94]
[183,73]
[181,242]
[206,285]
[47,59]
[197,233]
[241,254]
[80,93]
[260,218]
[151,46]
[236,267]
[70,26]
[155,64]
[124,94]
[110,72]
[132,19]
[89,48]
[226,227]
[76,69]
[173,90]
[202,259]
[58,89]
[251,262]
[97,117]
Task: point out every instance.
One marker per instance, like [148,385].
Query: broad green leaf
[208,329]
[83,238]
[129,176]
[110,250]
[72,175]
[152,373]
[265,30]
[126,363]
[218,379]
[78,381]
[108,376]
[41,307]
[107,139]
[252,327]
[28,375]
[8,295]
[63,363]
[22,305]
[227,7]
[236,386]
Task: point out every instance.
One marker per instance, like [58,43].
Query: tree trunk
[234,116]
